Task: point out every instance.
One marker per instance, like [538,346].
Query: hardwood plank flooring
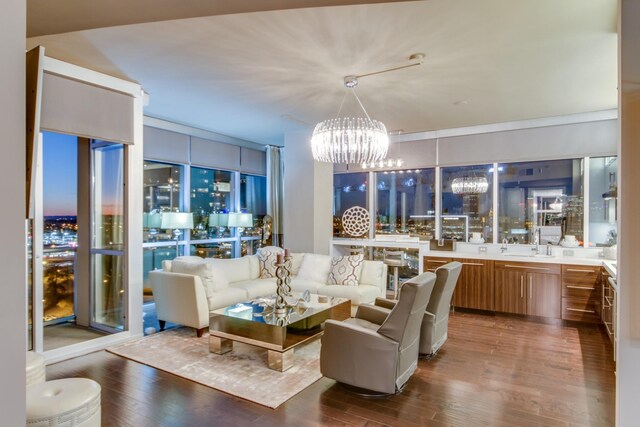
[493,371]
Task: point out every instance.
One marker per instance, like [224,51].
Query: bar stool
[35,368]
[395,259]
[66,402]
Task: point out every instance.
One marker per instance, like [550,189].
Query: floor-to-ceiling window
[603,197]
[349,190]
[253,200]
[540,201]
[405,202]
[83,285]
[467,202]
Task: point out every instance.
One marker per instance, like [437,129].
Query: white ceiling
[258,75]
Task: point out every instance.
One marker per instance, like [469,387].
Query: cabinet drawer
[581,290]
[580,309]
[532,267]
[584,275]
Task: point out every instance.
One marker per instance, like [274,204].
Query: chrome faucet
[505,245]
[536,241]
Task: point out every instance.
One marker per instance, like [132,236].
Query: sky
[60,174]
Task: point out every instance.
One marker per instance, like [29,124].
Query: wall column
[628,366]
[308,197]
[13,316]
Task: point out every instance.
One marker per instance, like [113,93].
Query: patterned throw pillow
[346,270]
[267,257]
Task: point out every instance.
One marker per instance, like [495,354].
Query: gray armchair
[435,322]
[378,349]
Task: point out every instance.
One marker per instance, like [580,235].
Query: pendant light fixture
[350,140]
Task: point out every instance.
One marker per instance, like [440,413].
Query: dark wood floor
[493,371]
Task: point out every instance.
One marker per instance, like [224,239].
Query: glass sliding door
[109,292]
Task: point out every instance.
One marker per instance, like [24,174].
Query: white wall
[12,172]
[628,368]
[308,197]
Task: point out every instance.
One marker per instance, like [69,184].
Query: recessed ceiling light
[462,102]
[396,132]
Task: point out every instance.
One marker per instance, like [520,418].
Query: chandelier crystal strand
[350,140]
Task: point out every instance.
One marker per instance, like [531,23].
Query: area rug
[242,372]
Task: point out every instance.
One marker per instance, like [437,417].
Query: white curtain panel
[275,191]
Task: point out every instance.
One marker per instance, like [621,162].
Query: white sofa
[187,298]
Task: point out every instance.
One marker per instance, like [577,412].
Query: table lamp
[240,220]
[176,221]
[220,221]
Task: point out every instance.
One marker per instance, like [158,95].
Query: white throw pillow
[268,257]
[212,279]
[315,267]
[296,262]
[346,270]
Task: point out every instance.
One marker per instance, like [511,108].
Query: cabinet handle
[577,270]
[580,310]
[526,267]
[611,281]
[530,287]
[521,286]
[437,262]
[580,287]
[473,263]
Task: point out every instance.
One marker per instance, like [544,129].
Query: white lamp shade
[153,220]
[240,220]
[218,220]
[176,220]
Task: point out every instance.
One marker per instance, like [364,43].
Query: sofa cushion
[254,266]
[227,297]
[301,285]
[346,270]
[234,269]
[257,288]
[267,257]
[357,294]
[166,263]
[212,278]
[372,273]
[296,262]
[315,268]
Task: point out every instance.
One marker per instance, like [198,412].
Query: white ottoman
[69,402]
[35,368]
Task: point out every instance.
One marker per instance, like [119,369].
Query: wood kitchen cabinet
[528,288]
[475,284]
[581,293]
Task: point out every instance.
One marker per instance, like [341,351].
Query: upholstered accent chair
[377,351]
[435,322]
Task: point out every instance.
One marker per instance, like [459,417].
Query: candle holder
[283,284]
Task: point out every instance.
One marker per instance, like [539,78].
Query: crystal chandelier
[350,140]
[470,185]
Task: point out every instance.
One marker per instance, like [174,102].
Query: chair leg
[162,323]
[200,332]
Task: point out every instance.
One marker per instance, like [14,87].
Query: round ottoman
[69,402]
[35,368]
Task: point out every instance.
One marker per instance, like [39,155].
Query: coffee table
[253,324]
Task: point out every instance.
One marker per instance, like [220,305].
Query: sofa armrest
[385,303]
[180,298]
[372,313]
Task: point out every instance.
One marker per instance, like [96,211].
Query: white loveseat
[210,284]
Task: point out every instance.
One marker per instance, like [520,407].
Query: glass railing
[58,267]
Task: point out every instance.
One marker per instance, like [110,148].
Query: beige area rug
[242,372]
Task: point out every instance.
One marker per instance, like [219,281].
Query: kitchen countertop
[518,258]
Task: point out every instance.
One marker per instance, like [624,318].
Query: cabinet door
[475,285]
[544,295]
[510,295]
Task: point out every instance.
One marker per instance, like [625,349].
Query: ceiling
[258,75]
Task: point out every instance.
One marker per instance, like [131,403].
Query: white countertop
[518,258]
[515,253]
